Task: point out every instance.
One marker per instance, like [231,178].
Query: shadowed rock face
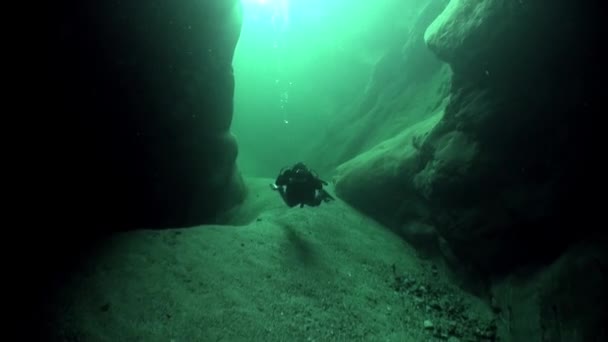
[503,174]
[499,175]
[139,100]
[563,302]
[148,88]
[501,168]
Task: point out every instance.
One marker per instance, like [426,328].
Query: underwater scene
[324,170]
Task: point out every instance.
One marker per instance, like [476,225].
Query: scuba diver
[300,185]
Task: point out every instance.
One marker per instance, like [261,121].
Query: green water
[299,66]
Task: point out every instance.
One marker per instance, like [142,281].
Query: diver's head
[299,167]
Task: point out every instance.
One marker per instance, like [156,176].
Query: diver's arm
[318,184]
[278,183]
[282,178]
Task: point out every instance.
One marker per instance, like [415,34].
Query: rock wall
[148,89]
[498,183]
[563,302]
[377,151]
[501,168]
[497,175]
[135,111]
[406,85]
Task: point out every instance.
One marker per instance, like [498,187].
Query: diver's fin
[325,196]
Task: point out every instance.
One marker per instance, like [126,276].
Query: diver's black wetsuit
[299,185]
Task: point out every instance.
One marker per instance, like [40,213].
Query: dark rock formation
[501,169]
[403,101]
[499,175]
[139,104]
[564,302]
[148,87]
[503,175]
